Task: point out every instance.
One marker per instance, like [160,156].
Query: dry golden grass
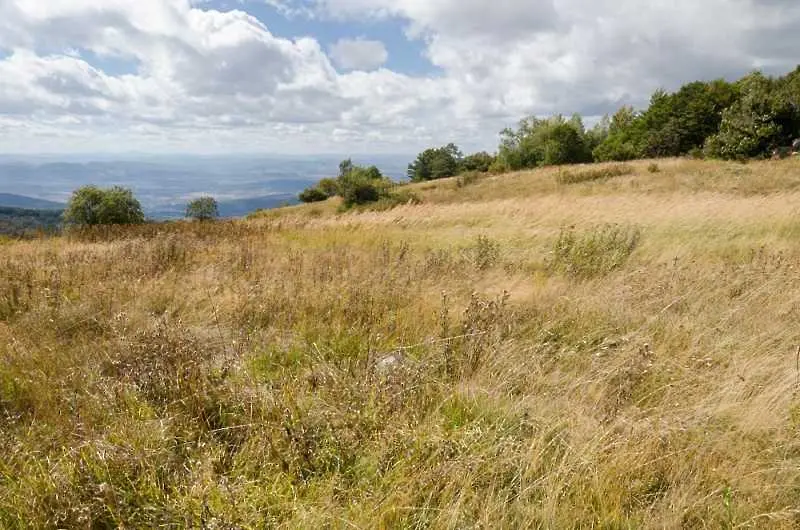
[512,353]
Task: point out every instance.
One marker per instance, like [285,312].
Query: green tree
[363,185]
[620,142]
[355,184]
[436,163]
[538,142]
[761,119]
[91,206]
[480,162]
[675,124]
[203,209]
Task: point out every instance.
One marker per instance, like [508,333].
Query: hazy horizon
[164,183]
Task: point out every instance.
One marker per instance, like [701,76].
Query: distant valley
[241,184]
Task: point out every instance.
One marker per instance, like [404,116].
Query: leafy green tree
[675,124]
[761,119]
[91,206]
[480,162]
[203,209]
[363,185]
[538,142]
[436,163]
[620,142]
[355,184]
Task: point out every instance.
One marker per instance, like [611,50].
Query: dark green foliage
[18,222]
[674,124]
[363,185]
[620,142]
[203,209]
[92,206]
[355,184]
[765,116]
[438,163]
[480,162]
[538,142]
[313,194]
[329,186]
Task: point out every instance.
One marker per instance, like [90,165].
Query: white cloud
[202,79]
[358,54]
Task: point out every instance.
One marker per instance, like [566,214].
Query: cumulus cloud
[358,54]
[198,78]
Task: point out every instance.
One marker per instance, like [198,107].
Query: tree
[761,119]
[620,142]
[436,163]
[363,185]
[480,162]
[675,124]
[537,142]
[203,209]
[91,206]
[355,184]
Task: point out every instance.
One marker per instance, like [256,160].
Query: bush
[203,209]
[480,162]
[313,194]
[596,252]
[468,178]
[328,186]
[394,199]
[653,168]
[93,206]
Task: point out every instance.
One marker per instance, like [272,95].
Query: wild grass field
[611,346]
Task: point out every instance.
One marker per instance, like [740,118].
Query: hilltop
[10,200]
[609,345]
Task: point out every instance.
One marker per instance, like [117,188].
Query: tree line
[754,117]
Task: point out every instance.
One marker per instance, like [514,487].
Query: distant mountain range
[10,200]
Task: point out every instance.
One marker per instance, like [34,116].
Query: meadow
[599,346]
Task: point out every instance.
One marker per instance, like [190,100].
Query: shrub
[92,206]
[203,209]
[480,162]
[484,253]
[468,178]
[313,194]
[329,186]
[394,199]
[596,252]
[653,168]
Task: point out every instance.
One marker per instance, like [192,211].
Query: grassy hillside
[597,346]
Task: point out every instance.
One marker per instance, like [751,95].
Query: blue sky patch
[405,56]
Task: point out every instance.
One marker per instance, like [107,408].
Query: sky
[354,76]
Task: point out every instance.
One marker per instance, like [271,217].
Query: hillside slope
[10,200]
[598,346]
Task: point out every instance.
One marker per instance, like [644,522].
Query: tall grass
[439,365]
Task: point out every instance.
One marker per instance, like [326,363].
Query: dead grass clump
[566,176]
